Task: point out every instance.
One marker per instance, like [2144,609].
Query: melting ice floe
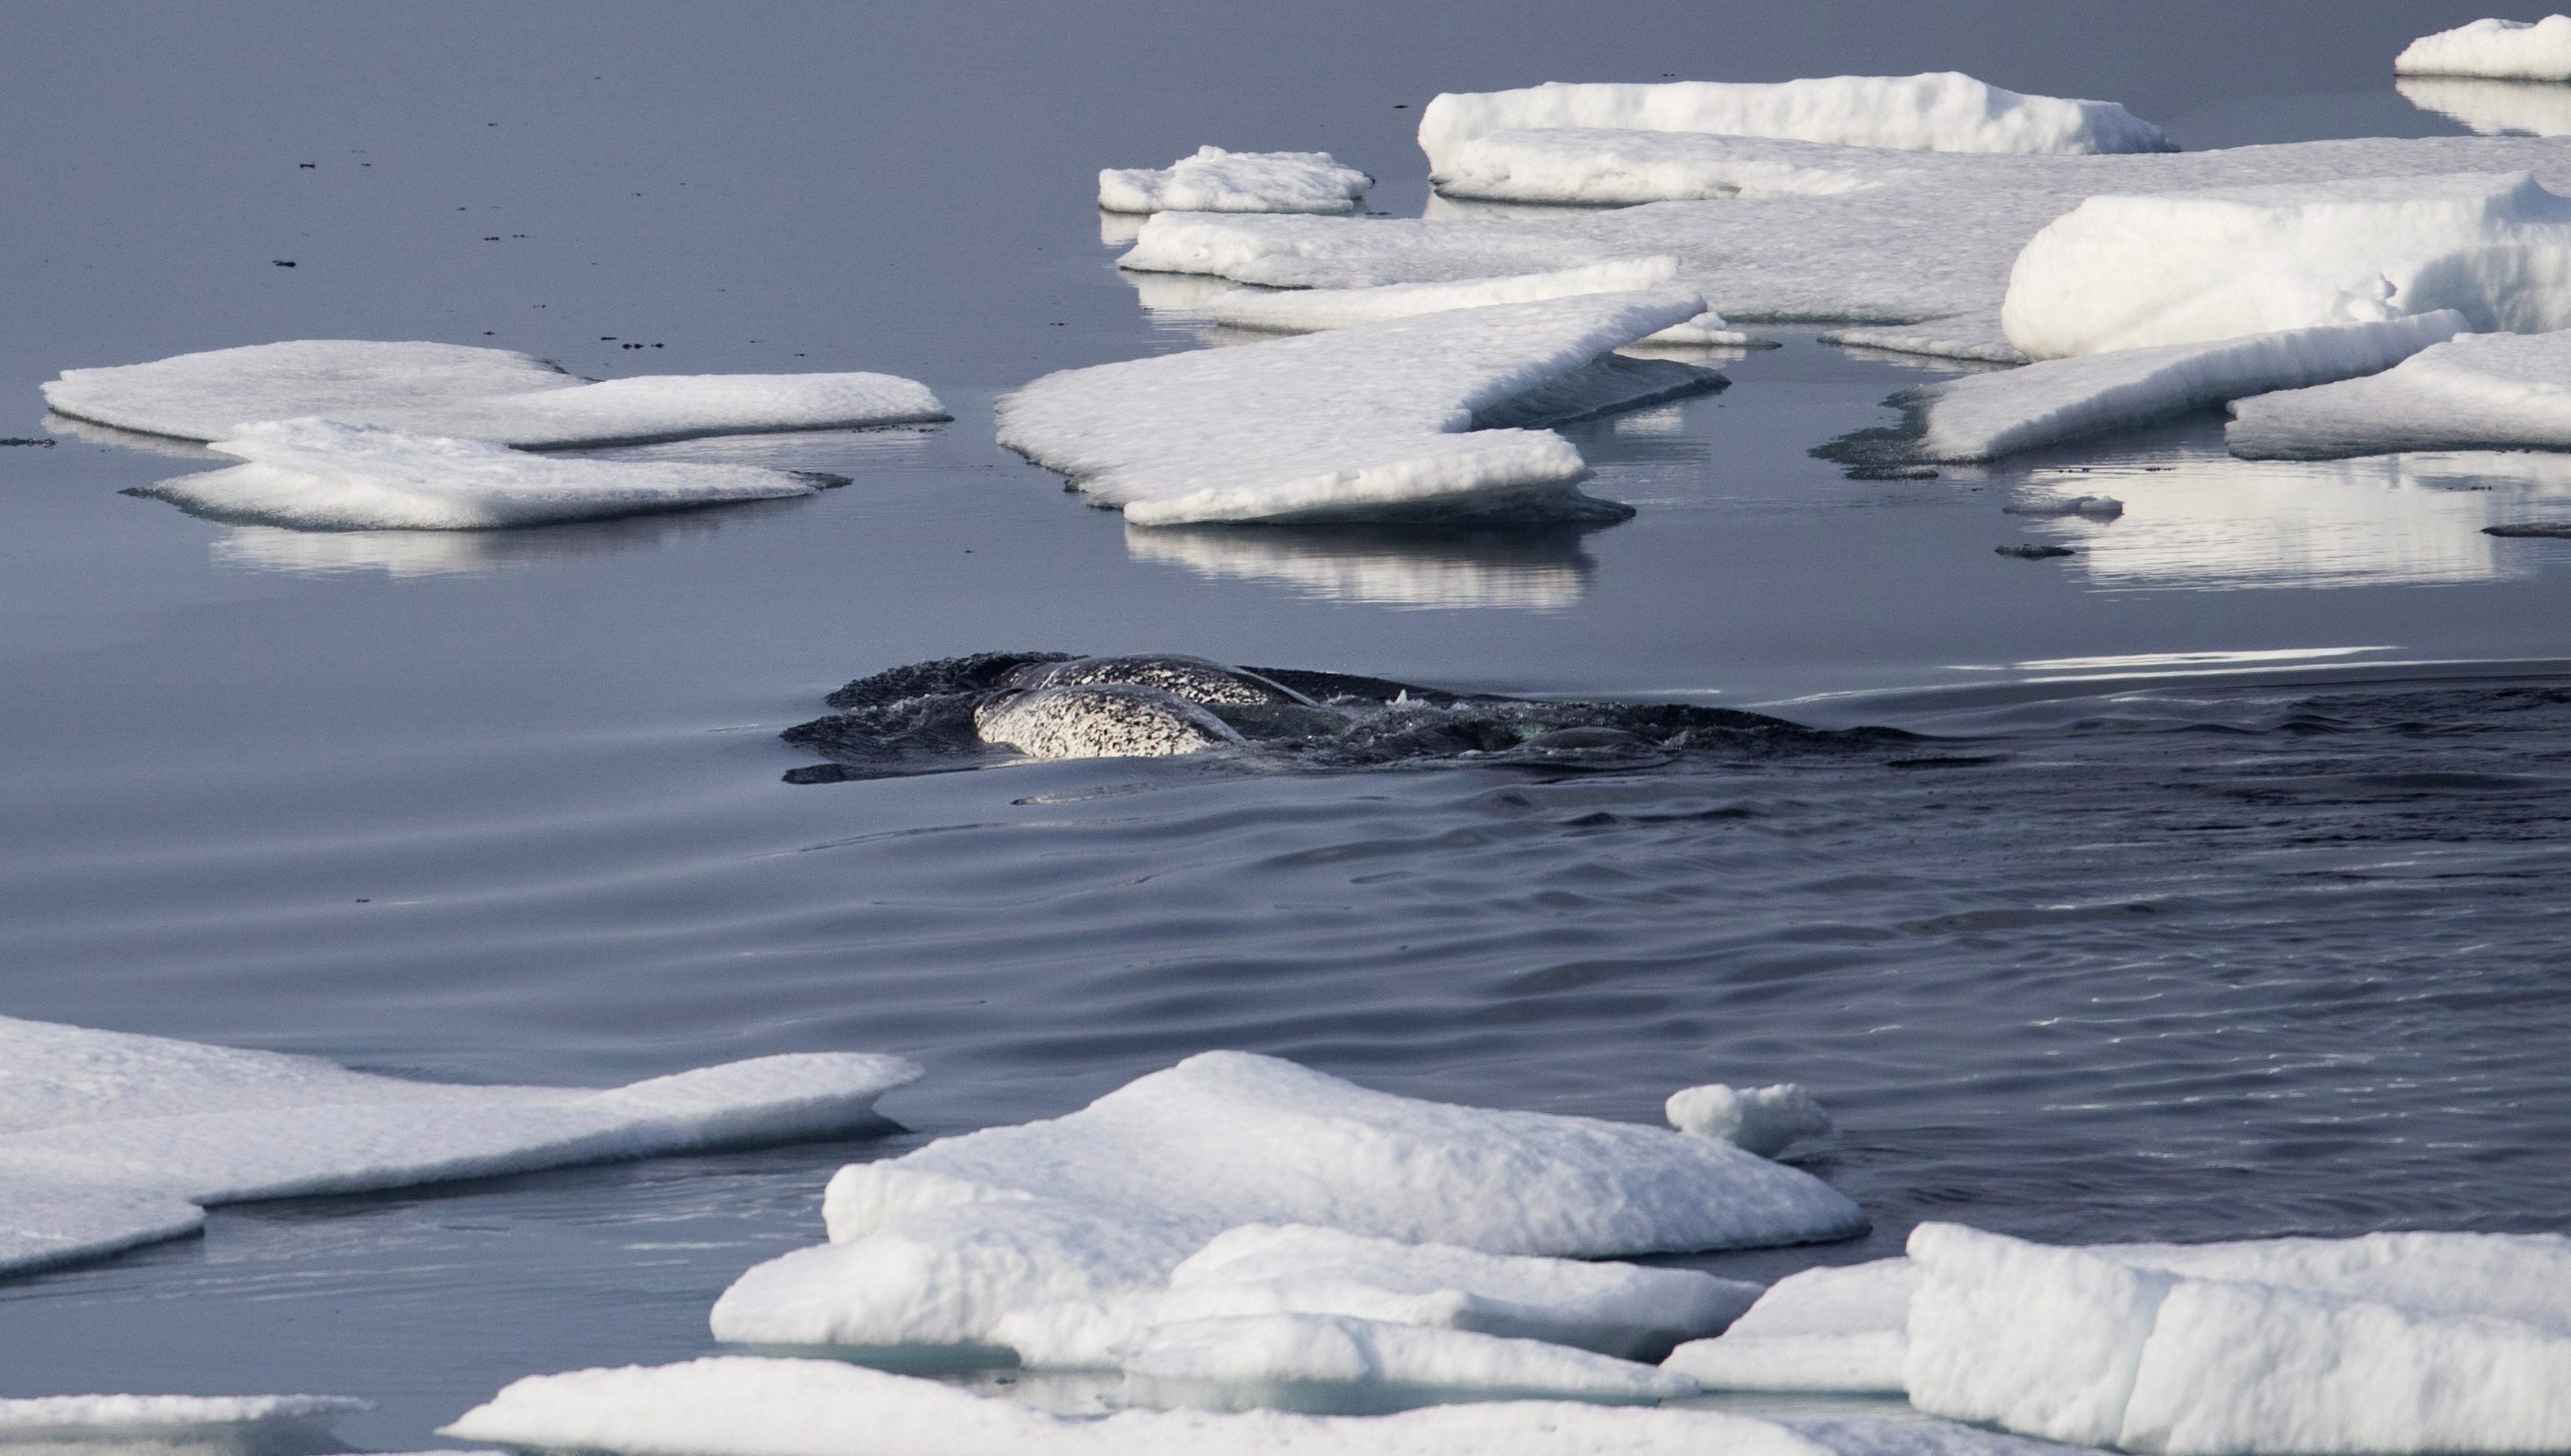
[316,474]
[108,1140]
[938,1246]
[1935,111]
[2515,50]
[1303,310]
[1216,181]
[237,1425]
[747,1406]
[1367,422]
[2481,391]
[495,395]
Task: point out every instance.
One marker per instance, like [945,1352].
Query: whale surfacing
[1099,721]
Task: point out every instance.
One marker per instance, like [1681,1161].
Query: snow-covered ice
[1372,421]
[2501,392]
[109,1140]
[2135,271]
[2515,50]
[234,1425]
[1614,1309]
[2386,1343]
[1939,111]
[1763,1120]
[1249,1356]
[1985,416]
[2492,108]
[1304,311]
[1617,168]
[936,1246]
[1824,1329]
[1217,180]
[1918,254]
[316,474]
[496,395]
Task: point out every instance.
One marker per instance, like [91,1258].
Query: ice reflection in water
[2494,108]
[1535,569]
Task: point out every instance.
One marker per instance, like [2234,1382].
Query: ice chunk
[2501,392]
[2514,50]
[1304,311]
[937,1245]
[316,474]
[2492,108]
[475,393]
[2122,272]
[1763,1120]
[1938,111]
[1216,181]
[1613,1309]
[108,1140]
[1985,416]
[1826,1330]
[1372,422]
[2392,1342]
[236,1425]
[1250,1354]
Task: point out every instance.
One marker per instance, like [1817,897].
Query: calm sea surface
[2223,896]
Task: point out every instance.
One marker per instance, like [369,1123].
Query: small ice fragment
[1763,1120]
[2514,50]
[1216,181]
[2482,391]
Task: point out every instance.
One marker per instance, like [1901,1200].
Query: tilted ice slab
[1841,1330]
[1366,422]
[1249,1356]
[748,1406]
[2484,391]
[2392,1342]
[2514,50]
[1613,1309]
[1922,251]
[496,395]
[1940,111]
[938,1246]
[1985,416]
[2133,272]
[317,474]
[108,1140]
[1216,181]
[2492,108]
[1304,311]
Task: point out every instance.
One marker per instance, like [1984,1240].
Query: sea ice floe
[1761,1119]
[1917,249]
[1824,1329]
[234,1425]
[316,474]
[496,395]
[2515,50]
[2499,391]
[1373,421]
[1621,1310]
[939,1245]
[1304,311]
[1216,181]
[1985,416]
[1245,1358]
[1940,111]
[109,1140]
[2135,271]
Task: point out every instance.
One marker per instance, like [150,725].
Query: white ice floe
[1367,422]
[109,1140]
[1619,168]
[2501,392]
[1304,311]
[1618,1309]
[1940,111]
[2515,50]
[1249,1356]
[1985,416]
[496,395]
[237,1425]
[748,1406]
[316,474]
[1917,249]
[1827,1329]
[2387,1344]
[2492,108]
[2123,272]
[1216,181]
[1761,1119]
[938,1246]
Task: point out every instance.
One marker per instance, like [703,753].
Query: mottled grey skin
[1193,678]
[1099,720]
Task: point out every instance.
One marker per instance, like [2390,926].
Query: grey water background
[2226,901]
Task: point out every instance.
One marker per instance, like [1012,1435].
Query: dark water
[2222,896]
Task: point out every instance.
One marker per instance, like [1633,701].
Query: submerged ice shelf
[1217,180]
[2481,391]
[109,1140]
